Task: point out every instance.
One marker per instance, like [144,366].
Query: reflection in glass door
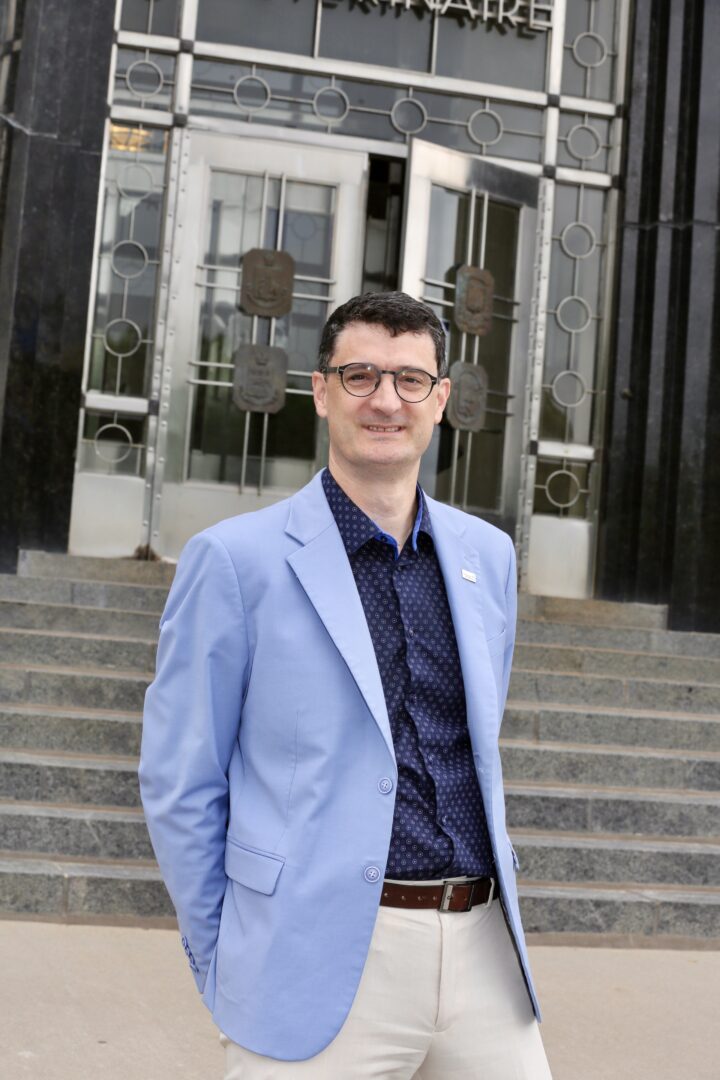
[309,203]
[464,212]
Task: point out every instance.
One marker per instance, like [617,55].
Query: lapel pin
[469,576]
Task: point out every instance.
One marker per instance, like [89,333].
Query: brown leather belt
[444,896]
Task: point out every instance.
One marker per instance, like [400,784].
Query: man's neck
[391,502]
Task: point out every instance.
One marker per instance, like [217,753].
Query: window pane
[392,37]
[280,25]
[480,52]
[151,16]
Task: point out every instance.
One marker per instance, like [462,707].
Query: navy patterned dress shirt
[439,828]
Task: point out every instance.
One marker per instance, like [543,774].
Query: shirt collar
[356,528]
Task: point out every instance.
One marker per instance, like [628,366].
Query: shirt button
[371,874]
[385,785]
[411,633]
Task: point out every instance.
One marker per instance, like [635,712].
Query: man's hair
[396,312]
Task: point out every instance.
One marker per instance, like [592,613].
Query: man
[320,750]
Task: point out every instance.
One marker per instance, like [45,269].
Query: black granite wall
[660,537]
[52,128]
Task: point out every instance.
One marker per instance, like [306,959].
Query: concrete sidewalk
[99,1003]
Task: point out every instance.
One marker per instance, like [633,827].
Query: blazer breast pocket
[258,870]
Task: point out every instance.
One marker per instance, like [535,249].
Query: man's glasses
[362,380]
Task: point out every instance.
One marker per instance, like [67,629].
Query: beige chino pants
[441,997]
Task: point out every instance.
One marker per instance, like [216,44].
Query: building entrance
[214,455]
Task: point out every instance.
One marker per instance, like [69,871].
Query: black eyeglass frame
[434,379]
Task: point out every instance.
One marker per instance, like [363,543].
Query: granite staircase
[610,745]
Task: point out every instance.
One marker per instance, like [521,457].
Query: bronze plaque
[468,397]
[260,378]
[267,282]
[474,289]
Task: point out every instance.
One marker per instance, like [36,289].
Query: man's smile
[385,429]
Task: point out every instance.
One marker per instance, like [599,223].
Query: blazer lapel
[322,567]
[465,599]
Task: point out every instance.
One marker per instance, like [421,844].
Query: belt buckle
[447,893]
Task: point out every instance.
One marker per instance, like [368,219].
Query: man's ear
[444,388]
[319,388]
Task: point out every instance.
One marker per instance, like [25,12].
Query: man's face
[382,429]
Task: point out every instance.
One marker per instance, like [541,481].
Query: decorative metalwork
[467,403]
[267,282]
[260,378]
[569,390]
[292,98]
[474,291]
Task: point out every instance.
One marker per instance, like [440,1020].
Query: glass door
[468,251]
[300,210]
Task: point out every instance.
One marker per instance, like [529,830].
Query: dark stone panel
[45,265]
[659,521]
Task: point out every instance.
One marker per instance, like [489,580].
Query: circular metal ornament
[135,181]
[589,49]
[334,101]
[578,240]
[572,482]
[402,119]
[575,390]
[580,140]
[252,104]
[144,79]
[129,259]
[120,456]
[580,308]
[491,122]
[122,337]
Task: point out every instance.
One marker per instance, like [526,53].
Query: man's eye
[358,376]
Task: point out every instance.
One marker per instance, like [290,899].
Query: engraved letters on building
[260,378]
[267,282]
[468,397]
[474,289]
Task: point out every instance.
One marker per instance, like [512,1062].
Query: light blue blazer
[265,744]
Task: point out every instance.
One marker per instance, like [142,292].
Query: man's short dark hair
[396,312]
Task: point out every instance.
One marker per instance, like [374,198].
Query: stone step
[107,622]
[81,889]
[77,831]
[567,688]
[617,662]
[627,766]
[82,731]
[667,642]
[97,594]
[86,688]
[635,914]
[62,830]
[593,612]
[604,809]
[556,856]
[60,567]
[61,649]
[94,890]
[54,777]
[627,727]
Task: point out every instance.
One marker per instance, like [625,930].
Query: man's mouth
[385,429]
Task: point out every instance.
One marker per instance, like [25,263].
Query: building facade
[541,173]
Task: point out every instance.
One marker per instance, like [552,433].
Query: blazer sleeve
[190,724]
[511,622]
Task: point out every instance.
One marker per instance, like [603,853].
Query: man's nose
[385,397]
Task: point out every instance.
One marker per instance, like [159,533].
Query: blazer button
[385,785]
[371,874]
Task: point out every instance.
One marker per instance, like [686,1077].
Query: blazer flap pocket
[257,869]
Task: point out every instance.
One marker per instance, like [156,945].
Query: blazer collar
[322,567]
[455,553]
